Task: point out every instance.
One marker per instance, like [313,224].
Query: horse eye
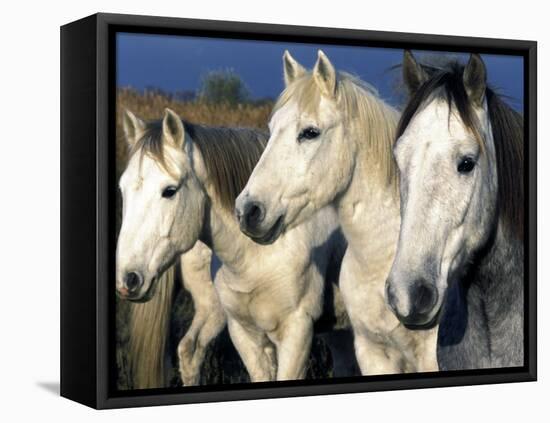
[309,133]
[169,191]
[466,165]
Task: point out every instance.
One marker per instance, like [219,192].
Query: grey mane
[230,155]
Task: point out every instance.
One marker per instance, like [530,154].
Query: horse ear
[292,69]
[172,128]
[413,73]
[325,75]
[133,127]
[475,79]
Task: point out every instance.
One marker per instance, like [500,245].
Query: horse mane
[507,125]
[363,110]
[229,154]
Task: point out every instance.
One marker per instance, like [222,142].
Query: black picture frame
[87,209]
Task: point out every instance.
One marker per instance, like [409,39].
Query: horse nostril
[132,281]
[424,296]
[254,213]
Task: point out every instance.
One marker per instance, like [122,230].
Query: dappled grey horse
[460,252]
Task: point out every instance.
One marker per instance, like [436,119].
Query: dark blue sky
[176,63]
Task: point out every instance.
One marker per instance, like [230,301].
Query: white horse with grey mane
[331,145]
[179,187]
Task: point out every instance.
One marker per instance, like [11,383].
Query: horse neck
[223,236]
[220,230]
[499,274]
[483,318]
[369,212]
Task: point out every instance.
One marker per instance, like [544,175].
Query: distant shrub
[223,87]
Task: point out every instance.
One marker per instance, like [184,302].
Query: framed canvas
[258,211]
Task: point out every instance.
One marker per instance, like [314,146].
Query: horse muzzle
[251,215]
[414,304]
[131,288]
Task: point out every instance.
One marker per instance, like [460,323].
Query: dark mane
[507,125]
[229,154]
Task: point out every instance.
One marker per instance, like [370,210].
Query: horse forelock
[151,144]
